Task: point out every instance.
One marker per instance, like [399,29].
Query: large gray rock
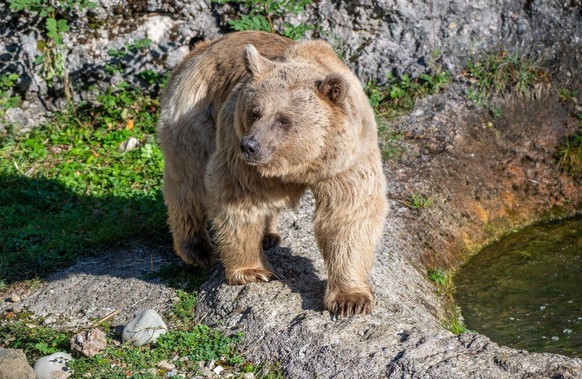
[53,366]
[13,365]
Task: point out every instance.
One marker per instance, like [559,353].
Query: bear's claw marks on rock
[271,240]
[251,275]
[346,305]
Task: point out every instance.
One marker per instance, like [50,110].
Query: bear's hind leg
[188,226]
[271,237]
[184,193]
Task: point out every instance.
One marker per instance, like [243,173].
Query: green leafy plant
[445,289]
[269,16]
[7,98]
[398,95]
[567,95]
[54,15]
[438,276]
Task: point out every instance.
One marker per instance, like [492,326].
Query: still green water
[525,291]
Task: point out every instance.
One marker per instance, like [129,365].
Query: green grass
[504,73]
[418,201]
[67,189]
[36,341]
[198,343]
[570,155]
[445,290]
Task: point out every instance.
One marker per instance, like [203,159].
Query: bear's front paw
[271,240]
[345,303]
[250,275]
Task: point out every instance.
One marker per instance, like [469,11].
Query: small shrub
[7,98]
[570,155]
[269,16]
[398,95]
[445,289]
[54,15]
[504,73]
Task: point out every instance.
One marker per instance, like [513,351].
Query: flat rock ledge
[485,178]
[114,284]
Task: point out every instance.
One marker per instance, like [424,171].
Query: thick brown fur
[249,122]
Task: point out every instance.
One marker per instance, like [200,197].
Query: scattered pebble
[249,375]
[206,373]
[53,366]
[146,327]
[88,343]
[218,369]
[165,365]
[567,331]
[16,309]
[129,145]
[174,374]
[15,298]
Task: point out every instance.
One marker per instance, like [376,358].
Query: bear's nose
[250,147]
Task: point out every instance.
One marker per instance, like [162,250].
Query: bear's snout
[250,148]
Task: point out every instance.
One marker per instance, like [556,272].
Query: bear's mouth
[253,161]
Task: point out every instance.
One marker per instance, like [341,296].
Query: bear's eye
[255,114]
[284,121]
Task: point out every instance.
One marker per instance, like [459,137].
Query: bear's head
[294,117]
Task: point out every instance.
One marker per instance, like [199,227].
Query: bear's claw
[346,305]
[252,275]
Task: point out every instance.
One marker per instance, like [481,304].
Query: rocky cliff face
[374,37]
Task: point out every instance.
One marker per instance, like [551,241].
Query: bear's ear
[255,63]
[334,87]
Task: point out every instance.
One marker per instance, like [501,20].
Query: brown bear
[248,123]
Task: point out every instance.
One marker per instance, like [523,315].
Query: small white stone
[218,369]
[146,327]
[53,366]
[15,298]
[129,145]
[249,375]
